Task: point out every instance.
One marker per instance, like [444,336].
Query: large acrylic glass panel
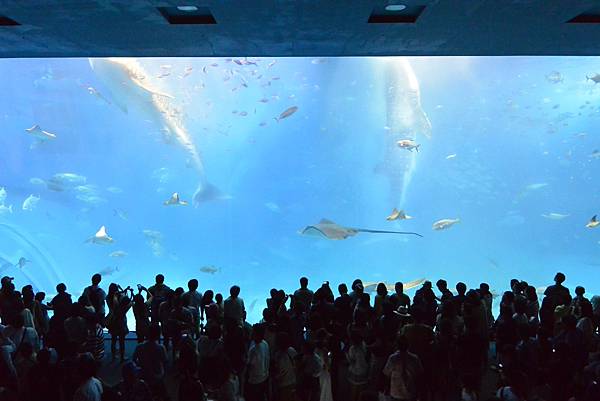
[507,149]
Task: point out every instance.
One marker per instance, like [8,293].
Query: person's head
[113,288]
[343,289]
[208,296]
[86,366]
[234,291]
[484,288]
[355,285]
[7,283]
[160,279]
[154,332]
[579,291]
[381,290]
[441,285]
[559,278]
[531,293]
[473,298]
[96,278]
[402,343]
[461,288]
[268,315]
[40,296]
[43,356]
[84,301]
[61,288]
[258,332]
[193,284]
[427,285]
[130,372]
[27,290]
[283,341]
[399,287]
[514,285]
[303,282]
[219,298]
[508,298]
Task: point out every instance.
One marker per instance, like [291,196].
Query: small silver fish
[286,113]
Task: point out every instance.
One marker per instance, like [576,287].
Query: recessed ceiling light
[395,7]
[187,8]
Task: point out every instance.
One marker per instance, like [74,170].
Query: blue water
[508,123]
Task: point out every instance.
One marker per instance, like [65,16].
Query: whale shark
[130,84]
[405,119]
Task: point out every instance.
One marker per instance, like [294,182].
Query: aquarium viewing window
[256,171]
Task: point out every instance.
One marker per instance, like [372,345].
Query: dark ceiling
[74,28]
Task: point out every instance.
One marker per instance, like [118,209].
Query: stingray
[330,230]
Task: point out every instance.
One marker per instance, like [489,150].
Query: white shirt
[258,362]
[28,318]
[285,374]
[359,366]
[403,371]
[91,390]
[16,335]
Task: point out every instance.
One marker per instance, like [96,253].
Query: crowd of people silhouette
[309,346]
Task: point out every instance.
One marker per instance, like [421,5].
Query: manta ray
[131,85]
[330,230]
